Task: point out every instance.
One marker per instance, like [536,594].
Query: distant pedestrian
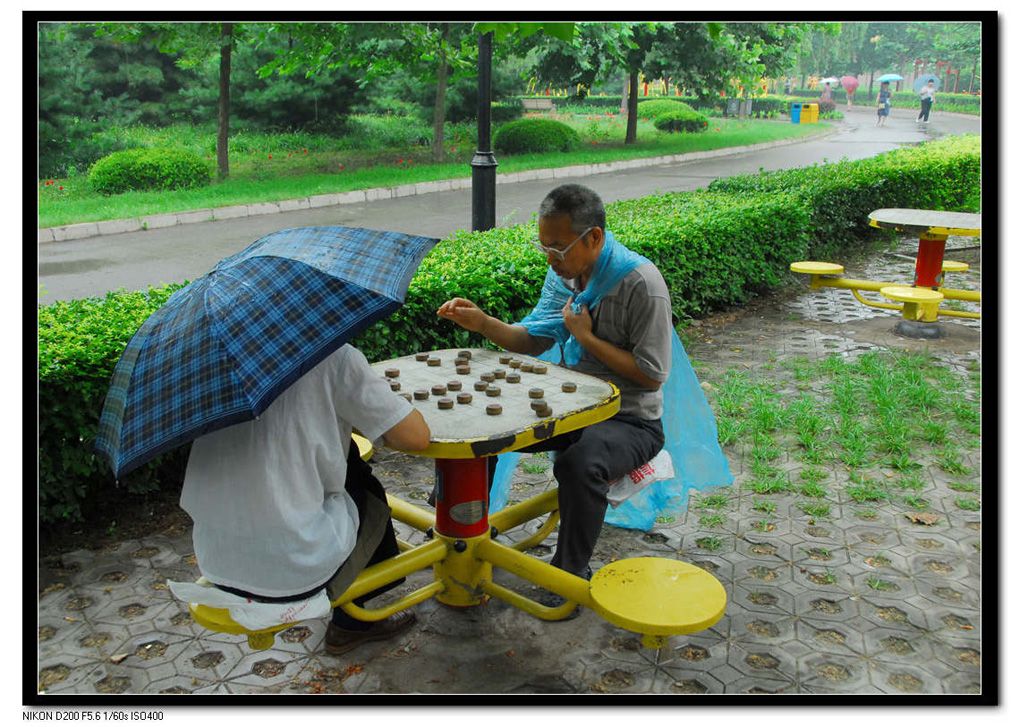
[884,103]
[826,94]
[927,99]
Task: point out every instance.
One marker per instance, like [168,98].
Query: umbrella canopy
[923,81]
[223,348]
[890,77]
[849,83]
[830,79]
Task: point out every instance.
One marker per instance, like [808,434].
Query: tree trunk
[439,114]
[632,94]
[973,75]
[223,129]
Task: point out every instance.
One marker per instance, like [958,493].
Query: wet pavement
[804,616]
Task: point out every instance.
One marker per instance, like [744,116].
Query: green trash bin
[795,112]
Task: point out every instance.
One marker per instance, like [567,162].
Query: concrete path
[136,260]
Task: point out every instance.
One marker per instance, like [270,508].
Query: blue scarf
[615,262]
[687,420]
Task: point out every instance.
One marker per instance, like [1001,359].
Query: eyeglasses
[557,253]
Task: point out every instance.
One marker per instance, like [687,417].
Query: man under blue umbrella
[251,363]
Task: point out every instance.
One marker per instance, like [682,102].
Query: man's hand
[579,324]
[464,313]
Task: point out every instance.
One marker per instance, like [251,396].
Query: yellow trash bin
[809,113]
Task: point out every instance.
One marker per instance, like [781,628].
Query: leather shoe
[340,641]
[554,600]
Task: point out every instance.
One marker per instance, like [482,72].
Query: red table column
[930,251]
[462,497]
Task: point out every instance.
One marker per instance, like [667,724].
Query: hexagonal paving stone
[830,637]
[763,661]
[825,606]
[898,646]
[937,567]
[761,629]
[265,669]
[886,612]
[958,654]
[208,660]
[904,679]
[960,623]
[764,598]
[890,585]
[833,672]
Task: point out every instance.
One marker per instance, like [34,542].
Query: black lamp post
[483,164]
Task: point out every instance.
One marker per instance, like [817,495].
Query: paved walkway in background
[862,601]
[136,260]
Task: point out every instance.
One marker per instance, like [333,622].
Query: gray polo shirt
[636,316]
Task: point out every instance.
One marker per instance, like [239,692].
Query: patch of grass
[964,486]
[879,585]
[535,466]
[709,543]
[813,489]
[867,514]
[764,506]
[813,475]
[948,460]
[712,502]
[711,521]
[770,485]
[814,509]
[665,519]
[903,463]
[912,482]
[828,577]
[765,448]
[965,503]
[916,503]
[866,490]
[934,432]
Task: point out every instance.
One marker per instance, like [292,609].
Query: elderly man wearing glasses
[609,310]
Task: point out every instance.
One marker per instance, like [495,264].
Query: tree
[193,43]
[434,53]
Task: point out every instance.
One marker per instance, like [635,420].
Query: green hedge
[944,174]
[149,168]
[80,341]
[527,136]
[715,248]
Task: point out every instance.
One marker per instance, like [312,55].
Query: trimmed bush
[655,107]
[683,121]
[527,136]
[150,168]
[826,107]
[715,248]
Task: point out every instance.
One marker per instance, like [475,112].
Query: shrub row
[715,247]
[939,175]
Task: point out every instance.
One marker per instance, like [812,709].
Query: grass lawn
[864,433]
[268,167]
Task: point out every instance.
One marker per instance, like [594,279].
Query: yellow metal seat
[365,448]
[657,597]
[809,267]
[954,266]
[919,304]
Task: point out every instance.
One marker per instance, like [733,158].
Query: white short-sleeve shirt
[267,496]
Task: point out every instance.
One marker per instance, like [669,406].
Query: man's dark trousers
[587,462]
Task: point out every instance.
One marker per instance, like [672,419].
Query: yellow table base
[654,597]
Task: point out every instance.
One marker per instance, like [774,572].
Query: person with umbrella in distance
[251,364]
[927,94]
[884,103]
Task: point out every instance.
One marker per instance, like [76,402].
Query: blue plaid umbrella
[223,348]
